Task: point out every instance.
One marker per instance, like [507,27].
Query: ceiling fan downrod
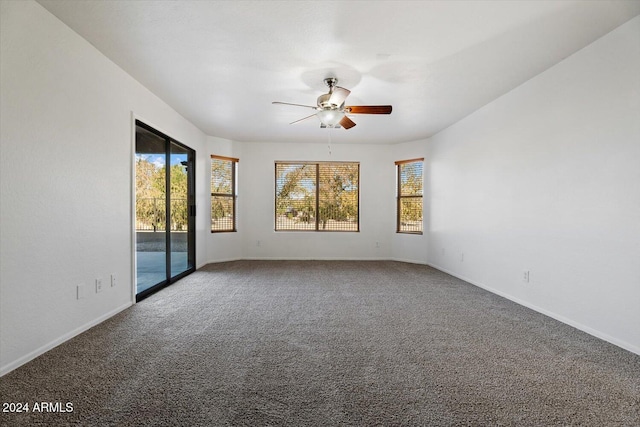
[331,82]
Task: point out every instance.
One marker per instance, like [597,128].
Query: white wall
[66,180]
[257,193]
[547,179]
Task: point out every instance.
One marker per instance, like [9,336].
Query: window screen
[223,193]
[317,196]
[409,196]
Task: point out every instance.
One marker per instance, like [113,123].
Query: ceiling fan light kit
[331,109]
[330,117]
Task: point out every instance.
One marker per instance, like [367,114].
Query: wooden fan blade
[338,95]
[295,105]
[304,118]
[347,123]
[368,109]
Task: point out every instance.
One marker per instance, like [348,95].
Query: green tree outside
[151,196]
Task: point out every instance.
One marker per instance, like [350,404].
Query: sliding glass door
[181,203]
[165,210]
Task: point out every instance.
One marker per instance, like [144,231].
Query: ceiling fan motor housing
[324,101]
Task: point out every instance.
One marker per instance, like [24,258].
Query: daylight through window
[223,193]
[409,196]
[317,196]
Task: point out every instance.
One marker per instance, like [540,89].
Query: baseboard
[409,261]
[216,261]
[315,258]
[40,351]
[594,332]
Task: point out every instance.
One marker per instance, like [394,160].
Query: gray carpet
[258,343]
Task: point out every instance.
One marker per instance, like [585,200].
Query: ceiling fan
[331,109]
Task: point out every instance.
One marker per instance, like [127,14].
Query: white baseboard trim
[216,261]
[594,332]
[409,261]
[315,258]
[40,351]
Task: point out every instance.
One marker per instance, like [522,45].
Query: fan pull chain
[329,143]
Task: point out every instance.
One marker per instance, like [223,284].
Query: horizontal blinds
[223,193]
[222,213]
[318,196]
[221,176]
[296,196]
[338,196]
[411,178]
[410,200]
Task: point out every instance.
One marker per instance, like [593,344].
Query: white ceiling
[221,63]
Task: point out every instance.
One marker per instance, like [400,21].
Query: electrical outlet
[98,285]
[258,243]
[80,291]
[113,280]
[525,276]
[377,244]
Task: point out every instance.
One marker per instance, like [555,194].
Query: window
[409,196]
[317,196]
[223,193]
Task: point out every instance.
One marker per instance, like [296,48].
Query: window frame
[400,196]
[234,190]
[317,196]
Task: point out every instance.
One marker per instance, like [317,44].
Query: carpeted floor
[314,343]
